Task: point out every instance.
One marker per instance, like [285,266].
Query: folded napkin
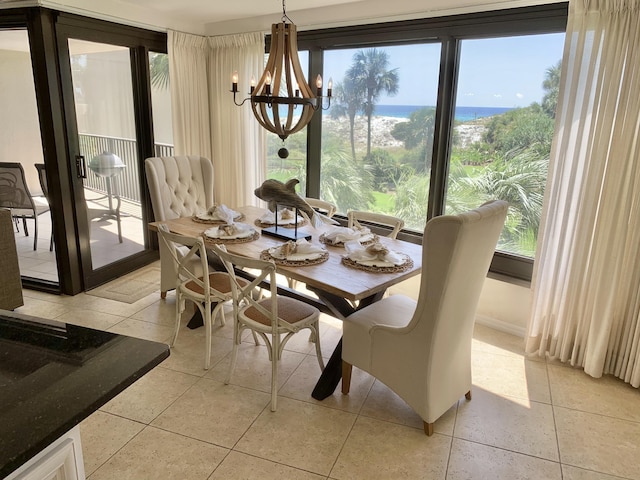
[222,212]
[345,234]
[300,247]
[374,252]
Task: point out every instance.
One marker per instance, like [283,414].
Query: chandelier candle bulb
[329,87]
[253,83]
[319,85]
[234,82]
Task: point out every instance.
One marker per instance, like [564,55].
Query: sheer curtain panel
[237,140]
[586,284]
[189,86]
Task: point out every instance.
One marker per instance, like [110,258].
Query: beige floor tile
[303,380]
[187,354]
[511,423]
[572,388]
[473,460]
[151,395]
[384,404]
[102,435]
[574,473]
[510,375]
[214,412]
[105,305]
[144,330]
[156,454]
[599,443]
[238,466]
[253,367]
[42,308]
[383,450]
[298,434]
[91,318]
[162,312]
[490,340]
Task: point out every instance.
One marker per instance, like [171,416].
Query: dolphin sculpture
[275,193]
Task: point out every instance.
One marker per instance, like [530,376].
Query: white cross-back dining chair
[202,287]
[275,318]
[422,350]
[354,217]
[326,208]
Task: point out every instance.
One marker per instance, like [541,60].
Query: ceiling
[221,17]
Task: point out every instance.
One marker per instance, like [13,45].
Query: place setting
[338,236]
[296,254]
[218,214]
[285,218]
[228,230]
[375,257]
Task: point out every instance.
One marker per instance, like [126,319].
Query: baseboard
[501,326]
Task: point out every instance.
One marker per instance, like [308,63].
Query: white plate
[244,231]
[380,263]
[276,252]
[205,217]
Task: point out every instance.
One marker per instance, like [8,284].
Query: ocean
[463,114]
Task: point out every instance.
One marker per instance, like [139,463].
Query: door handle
[81,166]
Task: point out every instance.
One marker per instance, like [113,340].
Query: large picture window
[436,116]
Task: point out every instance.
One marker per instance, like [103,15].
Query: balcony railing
[128,182]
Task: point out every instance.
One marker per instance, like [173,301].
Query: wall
[503,305]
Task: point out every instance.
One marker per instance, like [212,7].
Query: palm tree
[349,102]
[370,75]
[159,66]
[551,86]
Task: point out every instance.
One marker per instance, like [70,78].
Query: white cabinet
[62,460]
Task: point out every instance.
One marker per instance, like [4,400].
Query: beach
[469,132]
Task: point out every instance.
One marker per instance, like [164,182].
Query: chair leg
[346,377]
[468,395]
[428,428]
[207,333]
[179,310]
[163,295]
[318,350]
[234,350]
[35,233]
[275,359]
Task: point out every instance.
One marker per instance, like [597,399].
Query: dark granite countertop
[53,375]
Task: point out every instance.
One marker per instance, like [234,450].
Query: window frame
[449,31]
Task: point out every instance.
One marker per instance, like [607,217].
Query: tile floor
[528,419]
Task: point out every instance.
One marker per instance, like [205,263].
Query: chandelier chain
[285,17]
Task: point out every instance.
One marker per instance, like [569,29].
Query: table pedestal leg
[332,373]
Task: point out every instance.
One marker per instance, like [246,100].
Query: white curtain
[586,284]
[238,141]
[189,93]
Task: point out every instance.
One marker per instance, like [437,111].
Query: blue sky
[497,72]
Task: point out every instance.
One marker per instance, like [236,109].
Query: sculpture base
[285,233]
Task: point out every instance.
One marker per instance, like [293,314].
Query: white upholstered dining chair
[422,350]
[354,217]
[275,321]
[179,186]
[203,289]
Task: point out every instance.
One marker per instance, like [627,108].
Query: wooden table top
[331,276]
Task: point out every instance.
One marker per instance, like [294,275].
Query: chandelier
[282,100]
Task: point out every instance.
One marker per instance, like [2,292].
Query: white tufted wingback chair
[179,186]
[422,350]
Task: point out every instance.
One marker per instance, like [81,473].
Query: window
[456,110]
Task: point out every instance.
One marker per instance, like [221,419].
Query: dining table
[340,286]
